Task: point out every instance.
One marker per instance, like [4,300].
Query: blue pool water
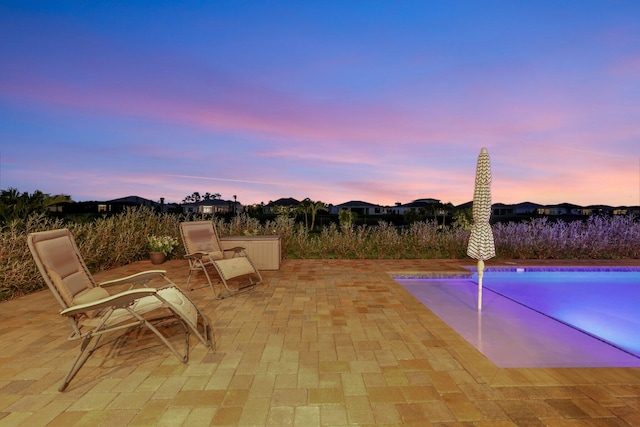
[540,317]
[602,303]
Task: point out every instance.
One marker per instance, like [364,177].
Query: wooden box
[264,251]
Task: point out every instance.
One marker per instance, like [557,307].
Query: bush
[596,237]
[104,244]
[118,240]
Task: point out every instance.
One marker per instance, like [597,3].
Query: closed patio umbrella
[481,246]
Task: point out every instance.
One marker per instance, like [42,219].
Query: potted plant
[160,247]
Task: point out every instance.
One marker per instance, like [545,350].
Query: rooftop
[322,342]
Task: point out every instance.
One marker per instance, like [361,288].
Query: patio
[322,342]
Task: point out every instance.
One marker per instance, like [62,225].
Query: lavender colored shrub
[118,240]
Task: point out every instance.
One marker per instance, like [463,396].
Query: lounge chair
[93,312]
[203,249]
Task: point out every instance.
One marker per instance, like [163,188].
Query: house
[524,208]
[604,209]
[622,210]
[116,205]
[113,206]
[359,207]
[212,206]
[416,205]
[498,209]
[561,209]
[275,207]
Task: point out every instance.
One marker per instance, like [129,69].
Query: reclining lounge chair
[203,249]
[93,312]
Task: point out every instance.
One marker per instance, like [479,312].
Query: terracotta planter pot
[157,257]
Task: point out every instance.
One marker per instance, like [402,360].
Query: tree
[463,219]
[314,208]
[445,210]
[284,210]
[16,205]
[347,218]
[209,196]
[194,198]
[309,207]
[305,208]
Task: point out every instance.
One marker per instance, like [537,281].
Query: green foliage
[121,239]
[16,206]
[309,207]
[104,244]
[463,218]
[347,219]
[164,244]
[18,272]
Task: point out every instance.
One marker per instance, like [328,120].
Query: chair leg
[202,268]
[145,322]
[241,290]
[189,279]
[210,337]
[210,283]
[81,358]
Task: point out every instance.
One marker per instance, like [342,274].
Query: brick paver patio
[322,342]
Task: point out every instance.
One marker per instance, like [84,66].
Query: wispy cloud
[209,178]
[393,109]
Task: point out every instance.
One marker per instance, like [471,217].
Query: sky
[334,100]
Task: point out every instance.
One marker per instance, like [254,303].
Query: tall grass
[121,239]
[104,244]
[597,237]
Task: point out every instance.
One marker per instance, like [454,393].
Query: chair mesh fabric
[200,238]
[180,302]
[235,267]
[58,257]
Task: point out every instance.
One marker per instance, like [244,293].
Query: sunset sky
[379,101]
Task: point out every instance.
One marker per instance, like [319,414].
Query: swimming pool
[602,303]
[523,307]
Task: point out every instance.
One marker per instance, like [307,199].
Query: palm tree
[309,207]
[314,208]
[194,198]
[16,205]
[445,210]
[305,208]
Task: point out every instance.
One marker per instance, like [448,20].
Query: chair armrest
[199,254]
[138,278]
[121,300]
[235,249]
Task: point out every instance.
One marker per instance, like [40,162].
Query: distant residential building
[362,208]
[113,206]
[116,205]
[625,210]
[562,209]
[359,207]
[274,207]
[524,208]
[604,209]
[416,205]
[212,206]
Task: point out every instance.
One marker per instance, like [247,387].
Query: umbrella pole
[480,274]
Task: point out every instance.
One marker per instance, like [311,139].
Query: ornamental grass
[113,241]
